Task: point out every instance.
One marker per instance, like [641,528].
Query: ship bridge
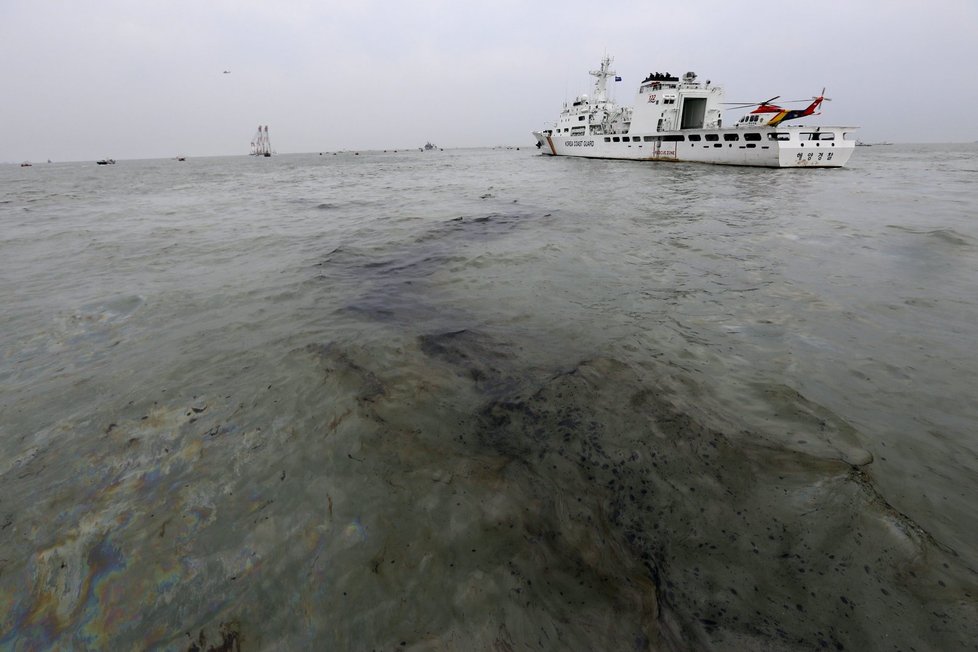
[668,103]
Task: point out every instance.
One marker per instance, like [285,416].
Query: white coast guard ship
[677,119]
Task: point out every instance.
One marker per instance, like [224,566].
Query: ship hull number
[811,155]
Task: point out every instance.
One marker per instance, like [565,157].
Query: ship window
[648,139]
[616,139]
[624,139]
[848,136]
[827,135]
[673,138]
[607,139]
[580,118]
[712,136]
[695,137]
[779,136]
[731,136]
[752,136]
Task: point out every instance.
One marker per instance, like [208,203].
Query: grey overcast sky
[144,78]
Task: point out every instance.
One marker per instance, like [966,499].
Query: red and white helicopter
[780,114]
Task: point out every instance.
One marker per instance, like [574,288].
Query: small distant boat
[26,164]
[429,146]
[106,161]
[181,158]
[260,145]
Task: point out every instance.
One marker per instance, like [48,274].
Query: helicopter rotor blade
[744,105]
[813,98]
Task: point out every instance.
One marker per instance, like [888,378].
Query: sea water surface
[489,400]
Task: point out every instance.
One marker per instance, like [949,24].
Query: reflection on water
[647,408]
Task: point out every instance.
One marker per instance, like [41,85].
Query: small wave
[950,236]
[946,236]
[484,224]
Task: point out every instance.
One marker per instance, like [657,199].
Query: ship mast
[261,145]
[601,81]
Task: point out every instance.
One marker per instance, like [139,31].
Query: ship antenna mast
[260,144]
[601,81]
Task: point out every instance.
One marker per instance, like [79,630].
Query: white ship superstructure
[676,119]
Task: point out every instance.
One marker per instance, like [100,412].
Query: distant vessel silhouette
[260,145]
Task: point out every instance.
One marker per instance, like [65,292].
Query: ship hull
[784,147]
[541,138]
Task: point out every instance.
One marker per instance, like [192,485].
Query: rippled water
[489,400]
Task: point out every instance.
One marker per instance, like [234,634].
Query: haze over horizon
[127,80]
